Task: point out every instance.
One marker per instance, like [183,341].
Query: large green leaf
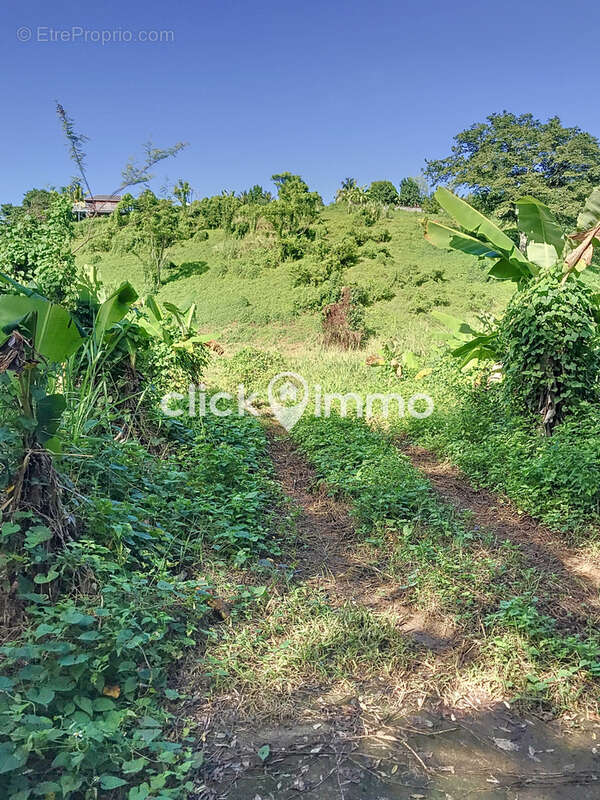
[189,318]
[504,270]
[454,325]
[114,309]
[545,239]
[153,323]
[49,413]
[54,332]
[474,222]
[482,340]
[151,304]
[590,215]
[449,238]
[154,329]
[542,255]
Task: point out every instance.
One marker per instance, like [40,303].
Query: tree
[37,201]
[384,192]
[38,249]
[183,192]
[508,156]
[351,194]
[153,228]
[256,195]
[133,174]
[296,207]
[410,193]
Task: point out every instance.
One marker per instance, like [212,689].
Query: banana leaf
[475,223]
[545,238]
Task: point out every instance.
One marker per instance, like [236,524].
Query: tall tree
[152,229]
[508,156]
[410,193]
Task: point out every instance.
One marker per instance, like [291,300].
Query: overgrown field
[246,296]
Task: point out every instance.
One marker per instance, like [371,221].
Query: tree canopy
[410,192]
[384,192]
[509,156]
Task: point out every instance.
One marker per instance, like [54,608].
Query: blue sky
[327,89]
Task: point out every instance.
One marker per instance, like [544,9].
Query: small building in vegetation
[97,205]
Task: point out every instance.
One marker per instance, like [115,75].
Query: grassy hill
[241,300]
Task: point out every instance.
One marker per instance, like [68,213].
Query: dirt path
[362,745]
[575,578]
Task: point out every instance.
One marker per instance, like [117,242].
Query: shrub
[39,249]
[344,321]
[550,346]
[292,247]
[253,367]
[370,214]
[383,235]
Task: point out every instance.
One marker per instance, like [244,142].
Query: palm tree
[351,193]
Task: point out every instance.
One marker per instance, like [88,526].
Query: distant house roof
[98,204]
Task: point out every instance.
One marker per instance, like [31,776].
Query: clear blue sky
[324,88]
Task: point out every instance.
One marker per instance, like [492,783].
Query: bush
[252,367]
[551,352]
[328,261]
[382,235]
[556,478]
[370,214]
[83,692]
[40,250]
[293,246]
[344,321]
[215,212]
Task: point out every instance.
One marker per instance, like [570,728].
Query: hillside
[240,300]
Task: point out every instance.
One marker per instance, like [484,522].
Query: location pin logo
[288,398]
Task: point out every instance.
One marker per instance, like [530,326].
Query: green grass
[486,586]
[297,640]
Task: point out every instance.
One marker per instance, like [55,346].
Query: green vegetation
[128,536]
[558,166]
[440,559]
[242,290]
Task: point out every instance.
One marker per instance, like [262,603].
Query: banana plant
[171,324]
[479,236]
[37,338]
[470,345]
[105,332]
[547,246]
